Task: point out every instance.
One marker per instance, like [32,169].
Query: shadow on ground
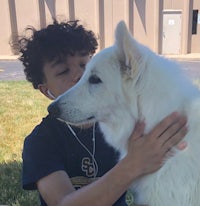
[11,192]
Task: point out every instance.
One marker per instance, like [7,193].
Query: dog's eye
[94,79]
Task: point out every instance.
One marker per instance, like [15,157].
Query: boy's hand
[149,151]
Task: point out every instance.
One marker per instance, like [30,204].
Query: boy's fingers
[176,131]
[175,139]
[164,124]
[182,145]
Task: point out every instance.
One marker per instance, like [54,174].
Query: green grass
[21,108]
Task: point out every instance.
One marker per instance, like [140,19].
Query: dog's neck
[154,91]
[150,100]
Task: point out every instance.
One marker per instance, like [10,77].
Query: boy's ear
[44,90]
[127,49]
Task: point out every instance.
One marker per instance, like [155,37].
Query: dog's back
[162,89]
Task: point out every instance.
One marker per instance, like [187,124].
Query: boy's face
[62,75]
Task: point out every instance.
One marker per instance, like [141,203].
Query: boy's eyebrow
[56,62]
[83,53]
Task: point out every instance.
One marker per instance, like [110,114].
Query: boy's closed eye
[64,71]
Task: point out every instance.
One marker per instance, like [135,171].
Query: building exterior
[166,26]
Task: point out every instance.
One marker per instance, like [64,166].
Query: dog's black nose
[54,110]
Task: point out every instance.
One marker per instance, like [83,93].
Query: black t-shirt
[52,147]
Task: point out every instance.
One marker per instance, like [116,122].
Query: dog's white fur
[127,82]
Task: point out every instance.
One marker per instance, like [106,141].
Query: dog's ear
[127,49]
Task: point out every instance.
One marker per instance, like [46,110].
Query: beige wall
[190,43]
[5,30]
[144,18]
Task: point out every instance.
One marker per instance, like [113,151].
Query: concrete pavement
[12,69]
[191,56]
[8,57]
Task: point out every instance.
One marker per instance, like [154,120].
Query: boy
[74,166]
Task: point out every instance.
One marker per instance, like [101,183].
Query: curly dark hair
[57,40]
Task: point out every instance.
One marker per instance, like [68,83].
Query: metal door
[171,37]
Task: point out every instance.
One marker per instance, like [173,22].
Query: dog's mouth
[90,118]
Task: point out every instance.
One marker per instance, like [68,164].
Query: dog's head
[101,92]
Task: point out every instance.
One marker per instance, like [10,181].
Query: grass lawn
[21,108]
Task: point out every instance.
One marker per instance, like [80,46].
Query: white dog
[127,82]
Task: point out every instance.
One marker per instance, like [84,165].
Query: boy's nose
[77,78]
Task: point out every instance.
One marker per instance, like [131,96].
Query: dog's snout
[54,110]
